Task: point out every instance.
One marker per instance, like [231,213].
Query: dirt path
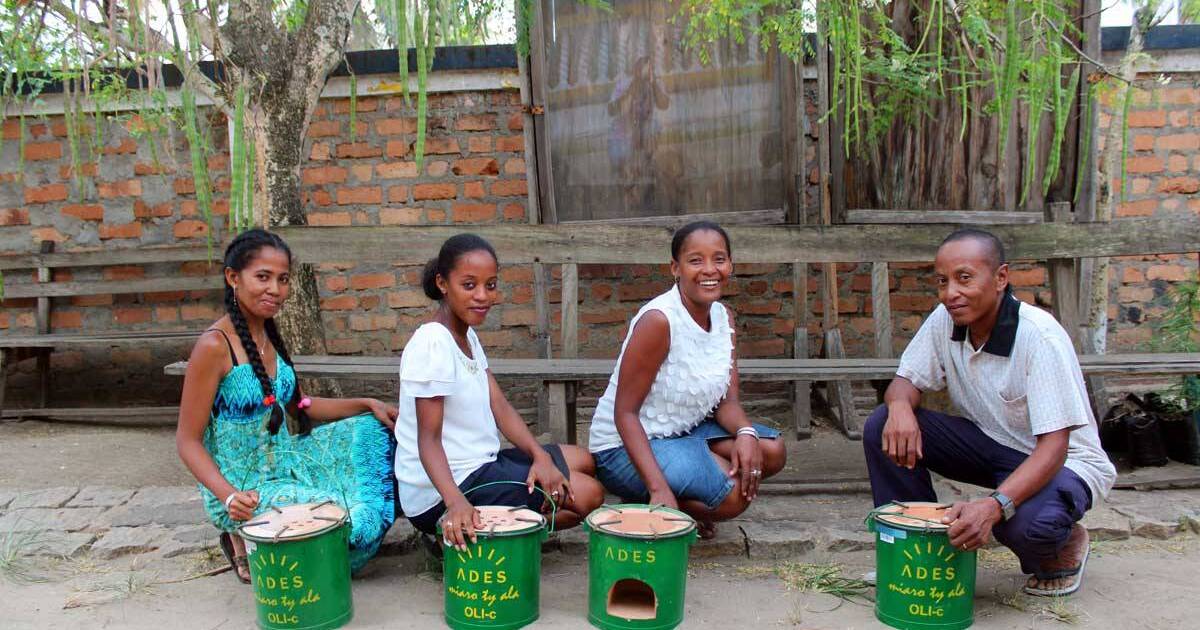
[1129,584]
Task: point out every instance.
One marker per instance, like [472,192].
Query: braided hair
[243,249]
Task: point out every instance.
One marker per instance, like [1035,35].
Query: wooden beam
[564,429]
[801,390]
[114,287]
[42,319]
[111,257]
[766,216]
[881,305]
[1065,281]
[599,244]
[548,212]
[951,217]
[847,414]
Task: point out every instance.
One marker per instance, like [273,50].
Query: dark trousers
[955,448]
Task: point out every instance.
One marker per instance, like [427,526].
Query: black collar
[1004,333]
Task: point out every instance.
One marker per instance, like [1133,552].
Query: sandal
[706,529]
[236,562]
[1055,575]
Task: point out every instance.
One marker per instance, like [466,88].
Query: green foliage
[1179,331]
[197,148]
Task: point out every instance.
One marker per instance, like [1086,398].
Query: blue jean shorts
[686,461]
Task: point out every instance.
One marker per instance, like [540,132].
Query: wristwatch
[1007,508]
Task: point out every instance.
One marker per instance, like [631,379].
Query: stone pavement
[106,523]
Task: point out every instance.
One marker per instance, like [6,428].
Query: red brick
[126,146]
[437,168]
[1143,142]
[185,186]
[476,166]
[1180,185]
[400,216]
[1132,275]
[190,228]
[510,188]
[148,168]
[473,190]
[127,316]
[142,210]
[610,316]
[336,283]
[14,216]
[87,169]
[122,230]
[319,152]
[441,146]
[516,122]
[92,300]
[339,303]
[323,175]
[396,170]
[360,105]
[46,194]
[1140,208]
[1144,164]
[1179,142]
[358,150]
[638,291]
[165,297]
[319,219]
[435,215]
[1171,273]
[479,144]
[510,144]
[37,151]
[524,316]
[761,348]
[514,212]
[124,272]
[1179,118]
[473,212]
[319,197]
[476,122]
[395,126]
[1035,277]
[366,194]
[191,312]
[514,166]
[407,298]
[88,212]
[325,129]
[66,319]
[11,129]
[918,303]
[47,234]
[372,322]
[1177,163]
[1152,118]
[372,281]
[434,191]
[763,307]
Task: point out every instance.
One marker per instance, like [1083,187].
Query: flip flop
[235,561]
[706,530]
[1054,575]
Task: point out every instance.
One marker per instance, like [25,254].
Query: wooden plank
[533,205]
[766,216]
[560,430]
[541,305]
[881,306]
[42,318]
[55,341]
[141,255]
[115,287]
[788,77]
[952,217]
[848,415]
[570,350]
[124,416]
[1065,281]
[801,390]
[537,61]
[754,369]
[600,244]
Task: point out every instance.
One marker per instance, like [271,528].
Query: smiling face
[263,284]
[471,290]
[703,267]
[969,284]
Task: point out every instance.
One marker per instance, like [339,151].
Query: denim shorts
[686,461]
[511,464]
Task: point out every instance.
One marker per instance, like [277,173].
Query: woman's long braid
[302,420]
[252,355]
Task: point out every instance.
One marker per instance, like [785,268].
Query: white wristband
[229,499]
[751,431]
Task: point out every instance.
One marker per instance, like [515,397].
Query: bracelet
[229,499]
[751,431]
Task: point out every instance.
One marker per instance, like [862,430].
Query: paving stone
[47,519]
[60,544]
[1193,522]
[1147,526]
[571,541]
[729,541]
[48,498]
[1105,523]
[6,497]
[779,539]
[401,538]
[844,540]
[176,505]
[120,541]
[196,534]
[172,548]
[101,496]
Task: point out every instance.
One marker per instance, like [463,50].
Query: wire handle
[553,505]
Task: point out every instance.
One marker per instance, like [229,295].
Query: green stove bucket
[922,582]
[300,566]
[496,582]
[637,566]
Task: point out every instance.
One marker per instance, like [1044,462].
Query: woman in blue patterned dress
[232,432]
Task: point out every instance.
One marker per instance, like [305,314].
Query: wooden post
[1065,281]
[3,376]
[851,423]
[563,420]
[882,306]
[43,328]
[541,305]
[801,390]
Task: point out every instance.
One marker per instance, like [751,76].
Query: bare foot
[707,529]
[1069,558]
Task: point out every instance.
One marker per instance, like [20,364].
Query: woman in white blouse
[669,428]
[452,413]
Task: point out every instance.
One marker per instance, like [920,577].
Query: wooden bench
[15,347]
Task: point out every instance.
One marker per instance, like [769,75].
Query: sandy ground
[49,454]
[1135,583]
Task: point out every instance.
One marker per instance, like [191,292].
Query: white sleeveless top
[690,383]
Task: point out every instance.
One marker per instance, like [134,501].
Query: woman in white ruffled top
[669,428]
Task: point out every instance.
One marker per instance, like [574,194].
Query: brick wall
[475,173]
